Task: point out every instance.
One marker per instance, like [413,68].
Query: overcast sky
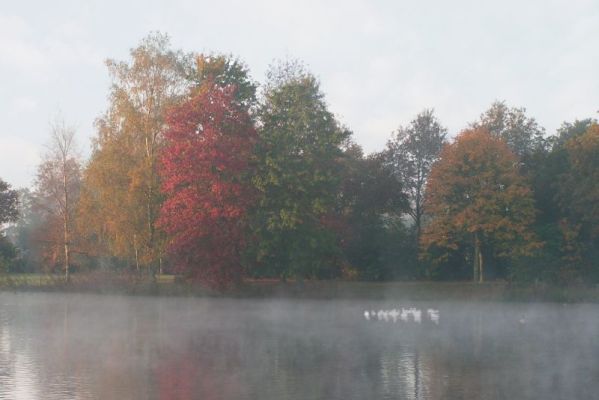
[379,62]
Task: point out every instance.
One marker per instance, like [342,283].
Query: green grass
[27,280]
[164,278]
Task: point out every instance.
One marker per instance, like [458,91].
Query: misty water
[80,346]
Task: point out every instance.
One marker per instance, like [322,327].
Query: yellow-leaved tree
[121,196]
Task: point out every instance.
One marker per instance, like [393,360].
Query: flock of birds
[402,314]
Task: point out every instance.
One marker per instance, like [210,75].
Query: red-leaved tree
[205,170]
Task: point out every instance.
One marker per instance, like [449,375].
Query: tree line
[198,170]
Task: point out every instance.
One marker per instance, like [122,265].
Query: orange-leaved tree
[477,199]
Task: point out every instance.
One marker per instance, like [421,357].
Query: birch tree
[57,188]
[122,187]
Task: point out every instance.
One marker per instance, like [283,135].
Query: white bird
[394,314]
[417,315]
[367,315]
[404,314]
[387,315]
[433,315]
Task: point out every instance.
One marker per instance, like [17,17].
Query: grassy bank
[427,291]
[167,285]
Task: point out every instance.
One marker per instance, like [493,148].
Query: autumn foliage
[580,185]
[196,172]
[477,197]
[121,198]
[205,171]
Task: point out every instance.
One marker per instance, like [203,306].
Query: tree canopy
[476,197]
[522,134]
[199,170]
[205,169]
[411,152]
[121,194]
[297,177]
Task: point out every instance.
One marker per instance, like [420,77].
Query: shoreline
[166,286]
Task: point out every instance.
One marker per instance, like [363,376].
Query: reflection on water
[55,346]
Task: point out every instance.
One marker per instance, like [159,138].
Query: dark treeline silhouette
[198,170]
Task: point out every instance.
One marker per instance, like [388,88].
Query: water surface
[77,346]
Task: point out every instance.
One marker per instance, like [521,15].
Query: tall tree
[206,170]
[556,262]
[523,134]
[122,188]
[57,188]
[371,200]
[476,197]
[298,176]
[578,193]
[411,152]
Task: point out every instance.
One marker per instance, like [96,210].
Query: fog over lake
[76,346]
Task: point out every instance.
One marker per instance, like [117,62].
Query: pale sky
[379,62]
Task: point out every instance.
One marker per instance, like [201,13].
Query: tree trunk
[150,147]
[67,276]
[476,259]
[480,265]
[136,252]
[418,227]
[418,217]
[65,218]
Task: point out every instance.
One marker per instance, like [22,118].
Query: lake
[84,346]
